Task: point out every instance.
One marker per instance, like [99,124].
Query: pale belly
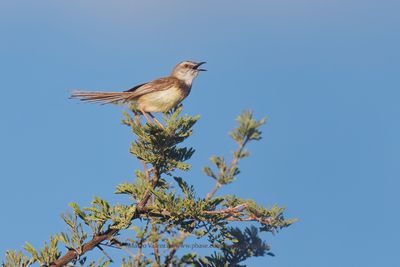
[161,101]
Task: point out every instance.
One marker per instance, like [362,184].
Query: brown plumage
[159,95]
[135,94]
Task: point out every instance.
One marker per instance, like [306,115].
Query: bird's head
[187,71]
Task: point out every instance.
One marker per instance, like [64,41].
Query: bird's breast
[164,100]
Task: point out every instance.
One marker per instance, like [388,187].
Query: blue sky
[325,72]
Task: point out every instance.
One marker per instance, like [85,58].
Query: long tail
[102,97]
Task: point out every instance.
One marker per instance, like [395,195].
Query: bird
[159,95]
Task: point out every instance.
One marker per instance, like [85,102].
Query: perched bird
[159,95]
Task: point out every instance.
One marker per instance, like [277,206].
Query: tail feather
[101,97]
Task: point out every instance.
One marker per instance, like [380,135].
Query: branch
[232,166]
[230,210]
[175,248]
[216,187]
[71,255]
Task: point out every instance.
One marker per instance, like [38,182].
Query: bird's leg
[154,118]
[145,115]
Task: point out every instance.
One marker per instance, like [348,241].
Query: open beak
[198,65]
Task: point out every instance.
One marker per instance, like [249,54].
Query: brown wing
[135,87]
[160,84]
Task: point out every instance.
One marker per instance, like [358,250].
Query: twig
[236,209]
[214,190]
[137,118]
[105,253]
[155,246]
[233,165]
[174,249]
[145,170]
[119,245]
[140,244]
